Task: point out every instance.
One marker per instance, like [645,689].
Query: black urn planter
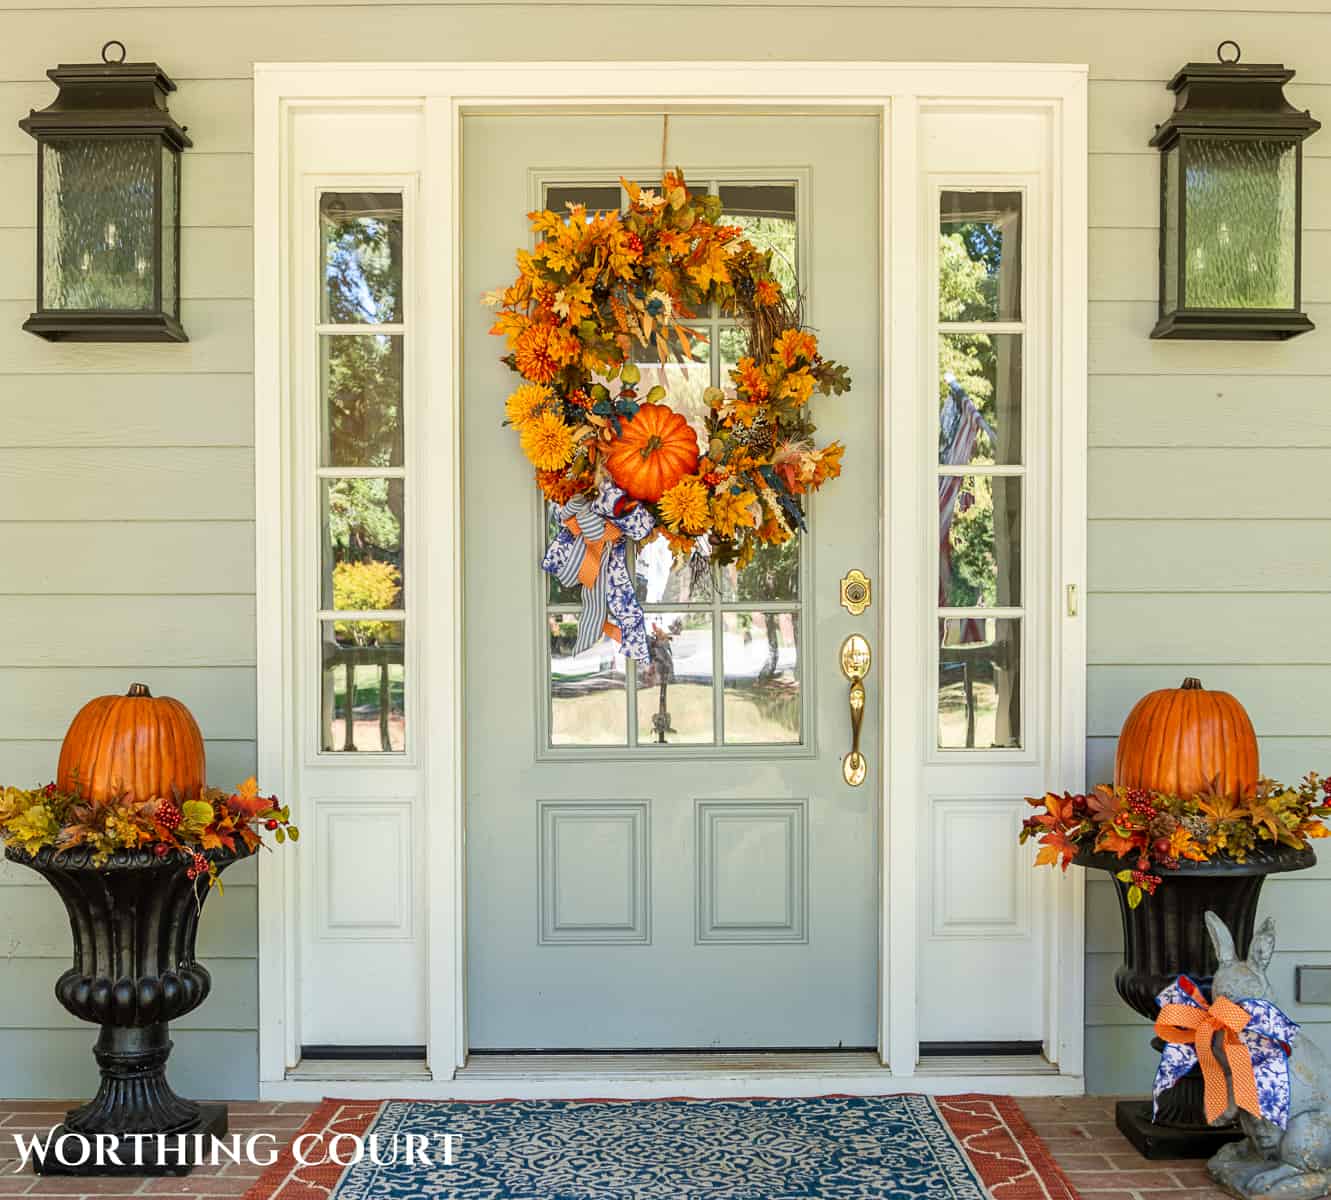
[1165,937]
[134,920]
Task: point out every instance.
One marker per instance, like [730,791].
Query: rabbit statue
[1271,1163]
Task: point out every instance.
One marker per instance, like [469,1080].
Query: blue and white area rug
[826,1147]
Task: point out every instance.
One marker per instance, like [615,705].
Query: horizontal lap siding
[126,480]
[127,524]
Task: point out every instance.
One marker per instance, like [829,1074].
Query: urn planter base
[1133,1118]
[149,1154]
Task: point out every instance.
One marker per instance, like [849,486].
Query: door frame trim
[898,93]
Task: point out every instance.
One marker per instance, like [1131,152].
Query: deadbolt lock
[856,592]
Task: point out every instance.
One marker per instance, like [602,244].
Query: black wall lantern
[1231,203]
[108,205]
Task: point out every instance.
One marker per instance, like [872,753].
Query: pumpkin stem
[650,447]
[138,689]
[1192,684]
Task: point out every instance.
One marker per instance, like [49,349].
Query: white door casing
[907,98]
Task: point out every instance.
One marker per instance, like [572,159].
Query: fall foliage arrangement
[1186,789]
[600,289]
[130,777]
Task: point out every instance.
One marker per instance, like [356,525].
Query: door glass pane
[364,687]
[594,197]
[361,240]
[362,543]
[1240,222]
[980,544]
[660,579]
[762,677]
[684,383]
[675,689]
[979,399]
[361,400]
[772,575]
[766,212]
[979,683]
[979,256]
[588,695]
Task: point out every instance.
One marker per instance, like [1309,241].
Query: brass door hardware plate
[856,659]
[856,592]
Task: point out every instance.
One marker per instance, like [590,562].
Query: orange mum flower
[532,354]
[560,488]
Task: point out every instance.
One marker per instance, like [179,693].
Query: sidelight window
[981,470]
[361,473]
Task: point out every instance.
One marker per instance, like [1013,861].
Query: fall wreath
[601,289]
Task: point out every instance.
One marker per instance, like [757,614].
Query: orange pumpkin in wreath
[654,451]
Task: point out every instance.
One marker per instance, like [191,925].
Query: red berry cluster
[1147,883]
[633,243]
[1139,803]
[169,814]
[198,866]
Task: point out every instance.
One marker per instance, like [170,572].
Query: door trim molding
[896,92]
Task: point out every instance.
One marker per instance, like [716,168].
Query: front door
[671,857]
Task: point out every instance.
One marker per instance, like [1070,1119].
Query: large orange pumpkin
[655,450]
[138,744]
[1181,740]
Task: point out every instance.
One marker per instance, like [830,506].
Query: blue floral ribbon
[590,549]
[1268,1037]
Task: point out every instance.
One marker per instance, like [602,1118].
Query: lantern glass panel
[170,231]
[98,231]
[1240,224]
[1171,229]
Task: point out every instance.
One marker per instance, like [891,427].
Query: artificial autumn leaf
[1113,840]
[1055,846]
[1105,803]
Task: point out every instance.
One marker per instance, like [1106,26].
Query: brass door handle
[856,658]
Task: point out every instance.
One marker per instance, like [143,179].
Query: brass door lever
[856,658]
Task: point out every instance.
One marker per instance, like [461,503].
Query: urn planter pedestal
[134,921]
[1165,937]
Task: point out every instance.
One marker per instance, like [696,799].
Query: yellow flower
[547,441]
[731,510]
[684,506]
[527,402]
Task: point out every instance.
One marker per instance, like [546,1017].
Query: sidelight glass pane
[595,197]
[659,579]
[588,695]
[675,690]
[98,232]
[772,576]
[361,400]
[979,399]
[766,212]
[979,683]
[362,543]
[980,550]
[1240,222]
[364,687]
[979,256]
[361,239]
[762,677]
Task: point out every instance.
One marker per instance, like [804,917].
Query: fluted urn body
[1165,937]
[134,920]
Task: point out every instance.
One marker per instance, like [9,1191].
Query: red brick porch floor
[1079,1132]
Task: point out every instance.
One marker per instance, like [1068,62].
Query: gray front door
[673,859]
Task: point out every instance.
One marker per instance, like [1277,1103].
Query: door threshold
[358,1070]
[529,1065]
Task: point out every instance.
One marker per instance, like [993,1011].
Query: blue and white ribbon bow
[1268,1037]
[590,549]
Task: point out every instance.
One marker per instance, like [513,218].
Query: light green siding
[125,472]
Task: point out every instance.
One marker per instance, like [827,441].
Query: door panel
[683,865]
